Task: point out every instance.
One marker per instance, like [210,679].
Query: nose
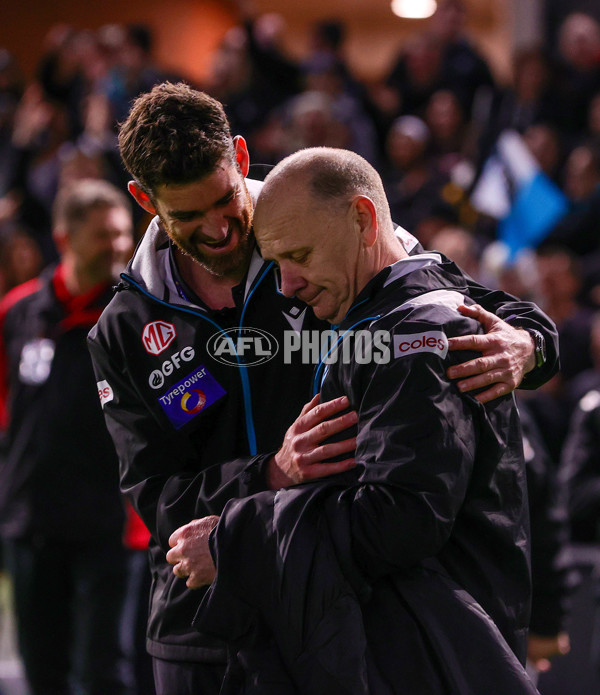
[122,245]
[215,226]
[291,280]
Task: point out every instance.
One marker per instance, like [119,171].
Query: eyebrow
[183,215]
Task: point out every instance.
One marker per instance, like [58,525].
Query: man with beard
[195,377]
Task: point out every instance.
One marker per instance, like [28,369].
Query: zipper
[246,390]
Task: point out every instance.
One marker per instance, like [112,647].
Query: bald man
[409,573]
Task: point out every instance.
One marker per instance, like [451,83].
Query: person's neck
[214,290]
[382,255]
[77,282]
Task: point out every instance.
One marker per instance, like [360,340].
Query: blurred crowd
[457,149]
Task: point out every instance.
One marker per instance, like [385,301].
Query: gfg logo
[247,346]
[170,365]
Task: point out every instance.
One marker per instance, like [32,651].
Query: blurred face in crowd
[102,244]
[543,143]
[582,175]
[403,150]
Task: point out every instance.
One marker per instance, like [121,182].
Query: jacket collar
[413,275]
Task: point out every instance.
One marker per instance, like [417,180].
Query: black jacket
[181,459]
[410,573]
[59,470]
[174,469]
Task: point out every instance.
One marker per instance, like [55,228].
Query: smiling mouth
[218,244]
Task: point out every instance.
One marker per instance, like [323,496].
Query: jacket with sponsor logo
[411,572]
[191,421]
[58,469]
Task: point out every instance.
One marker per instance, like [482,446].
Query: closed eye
[301,257]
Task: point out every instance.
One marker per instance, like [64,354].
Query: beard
[233,264]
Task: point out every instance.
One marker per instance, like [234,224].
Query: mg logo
[248,346]
[157,336]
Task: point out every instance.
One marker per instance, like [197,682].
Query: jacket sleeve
[417,437]
[525,315]
[580,469]
[160,472]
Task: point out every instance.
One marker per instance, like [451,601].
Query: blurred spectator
[593,118]
[312,120]
[245,94]
[11,90]
[132,69]
[20,258]
[544,143]
[59,71]
[579,229]
[461,247]
[61,514]
[328,78]
[580,470]
[327,39]
[529,99]
[271,65]
[588,379]
[41,128]
[464,71]
[413,186]
[577,75]
[448,131]
[553,580]
[416,75]
[560,282]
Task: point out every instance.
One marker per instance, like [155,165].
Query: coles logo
[157,336]
[430,341]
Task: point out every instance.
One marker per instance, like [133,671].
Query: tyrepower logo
[170,365]
[191,395]
[247,346]
[431,341]
[157,336]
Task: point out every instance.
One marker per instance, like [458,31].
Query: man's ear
[241,154]
[141,198]
[365,216]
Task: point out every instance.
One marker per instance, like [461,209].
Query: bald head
[323,217]
[333,177]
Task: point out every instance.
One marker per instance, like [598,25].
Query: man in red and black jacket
[61,513]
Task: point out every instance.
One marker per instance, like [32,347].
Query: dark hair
[174,135]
